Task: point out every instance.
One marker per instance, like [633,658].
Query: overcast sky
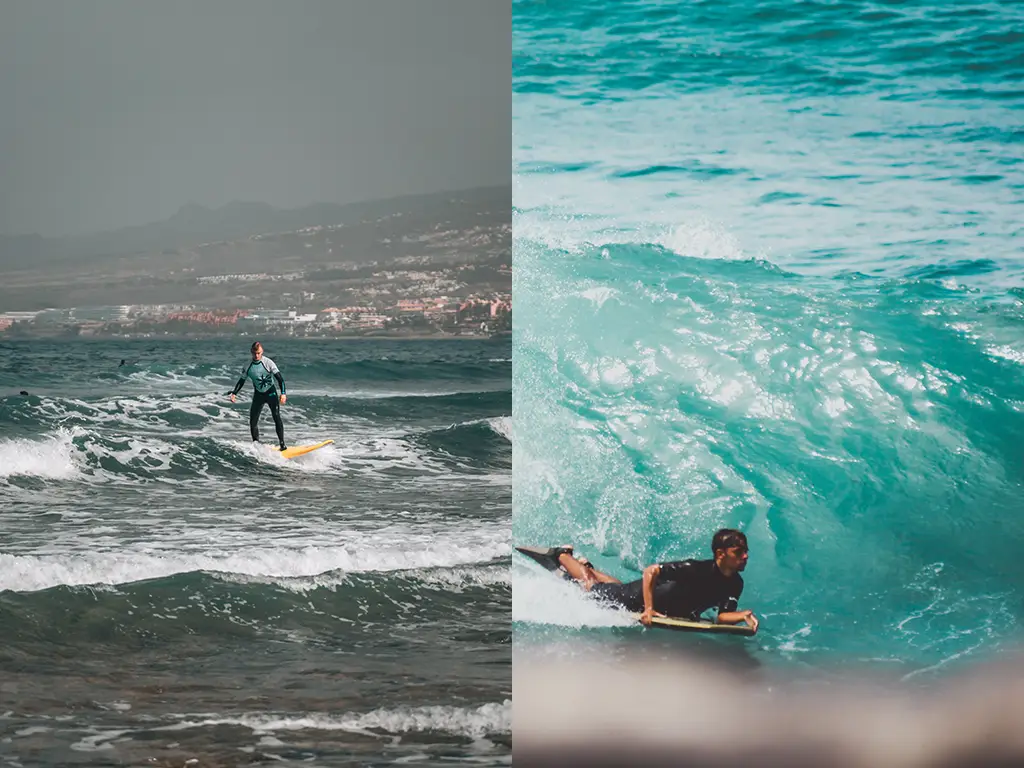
[118,112]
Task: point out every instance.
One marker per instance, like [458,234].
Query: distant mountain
[195,224]
[25,250]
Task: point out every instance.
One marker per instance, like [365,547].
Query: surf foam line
[30,573]
[471,722]
[456,578]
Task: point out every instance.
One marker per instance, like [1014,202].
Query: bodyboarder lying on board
[681,589]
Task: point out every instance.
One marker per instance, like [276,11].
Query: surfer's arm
[651,574]
[280,381]
[241,381]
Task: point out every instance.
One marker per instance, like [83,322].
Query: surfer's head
[257,350]
[730,550]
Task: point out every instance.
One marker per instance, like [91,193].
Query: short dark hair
[728,538]
[254,346]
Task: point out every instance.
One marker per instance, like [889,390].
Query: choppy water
[168,591]
[768,274]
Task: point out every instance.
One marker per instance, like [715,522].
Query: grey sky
[117,112]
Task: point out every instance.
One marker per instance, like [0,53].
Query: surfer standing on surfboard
[263,371]
[681,589]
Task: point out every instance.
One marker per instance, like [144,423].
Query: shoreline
[241,337]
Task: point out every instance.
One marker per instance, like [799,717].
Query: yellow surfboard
[299,450]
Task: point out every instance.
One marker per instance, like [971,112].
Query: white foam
[32,572]
[33,730]
[98,741]
[355,452]
[157,454]
[470,722]
[379,394]
[456,579]
[178,382]
[453,579]
[52,457]
[702,239]
[146,411]
[542,598]
[599,295]
[1006,352]
[502,425]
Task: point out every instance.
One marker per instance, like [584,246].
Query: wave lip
[502,425]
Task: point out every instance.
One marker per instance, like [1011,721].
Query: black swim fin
[548,557]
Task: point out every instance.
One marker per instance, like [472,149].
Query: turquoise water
[768,275]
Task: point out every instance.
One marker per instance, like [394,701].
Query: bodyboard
[299,450]
[685,625]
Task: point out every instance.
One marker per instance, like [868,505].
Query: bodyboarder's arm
[738,617]
[651,574]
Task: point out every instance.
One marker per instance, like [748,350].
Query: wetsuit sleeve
[241,381]
[732,599]
[271,366]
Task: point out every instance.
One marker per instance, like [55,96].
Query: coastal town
[440,316]
[429,266]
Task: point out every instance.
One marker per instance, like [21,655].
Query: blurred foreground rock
[687,713]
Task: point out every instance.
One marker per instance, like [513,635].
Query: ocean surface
[769,274]
[169,591]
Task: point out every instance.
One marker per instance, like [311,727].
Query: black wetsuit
[684,589]
[263,373]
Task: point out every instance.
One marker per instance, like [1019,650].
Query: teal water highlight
[767,275]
